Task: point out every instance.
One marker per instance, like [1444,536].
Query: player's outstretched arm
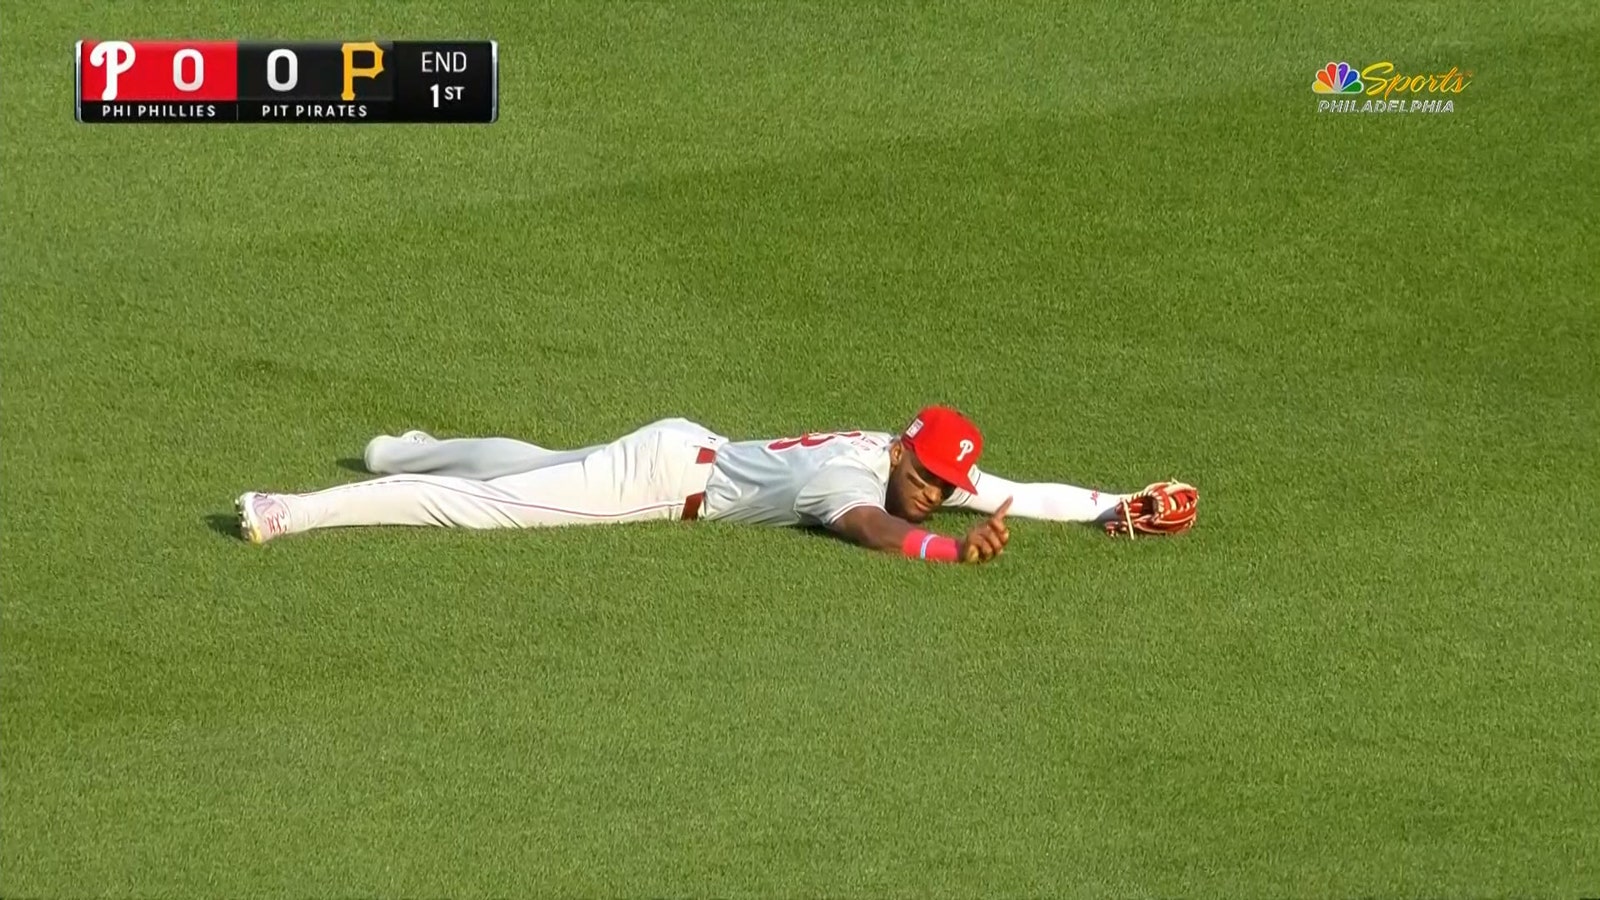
[1038,500]
[874,528]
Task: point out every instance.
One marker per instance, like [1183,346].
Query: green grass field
[1118,235]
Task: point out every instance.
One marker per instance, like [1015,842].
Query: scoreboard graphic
[336,82]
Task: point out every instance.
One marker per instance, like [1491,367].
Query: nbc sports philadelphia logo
[1379,88]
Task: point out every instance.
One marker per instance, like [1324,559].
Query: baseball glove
[1166,507]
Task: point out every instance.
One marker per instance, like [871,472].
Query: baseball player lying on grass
[872,488]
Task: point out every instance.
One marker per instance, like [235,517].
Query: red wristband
[921,544]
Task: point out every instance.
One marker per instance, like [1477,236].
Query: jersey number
[811,440]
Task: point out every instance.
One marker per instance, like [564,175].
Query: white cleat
[418,437]
[262,517]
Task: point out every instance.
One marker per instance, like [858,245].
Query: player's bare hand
[988,538]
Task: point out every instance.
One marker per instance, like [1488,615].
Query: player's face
[914,492]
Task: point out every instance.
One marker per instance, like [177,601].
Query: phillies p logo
[116,57]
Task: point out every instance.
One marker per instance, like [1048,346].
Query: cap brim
[957,477]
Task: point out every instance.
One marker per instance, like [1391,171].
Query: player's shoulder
[834,443]
[864,444]
[867,450]
[873,439]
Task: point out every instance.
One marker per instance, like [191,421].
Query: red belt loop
[692,503]
[691,506]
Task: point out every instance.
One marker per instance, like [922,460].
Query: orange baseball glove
[1166,507]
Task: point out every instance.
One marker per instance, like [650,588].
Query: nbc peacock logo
[1337,78]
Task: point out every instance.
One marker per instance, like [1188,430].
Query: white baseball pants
[646,475]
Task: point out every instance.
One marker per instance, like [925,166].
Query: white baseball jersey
[810,480]
[652,473]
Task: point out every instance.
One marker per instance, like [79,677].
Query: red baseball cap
[947,444]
